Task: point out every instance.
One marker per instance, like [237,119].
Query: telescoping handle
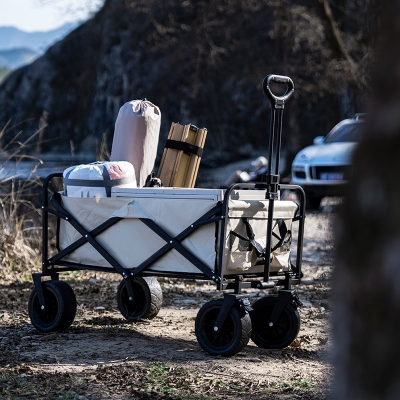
[278,101]
[272,176]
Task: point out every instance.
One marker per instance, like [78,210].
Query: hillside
[199,62]
[12,38]
[15,58]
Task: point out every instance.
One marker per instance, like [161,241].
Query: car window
[345,133]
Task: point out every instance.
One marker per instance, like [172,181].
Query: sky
[44,15]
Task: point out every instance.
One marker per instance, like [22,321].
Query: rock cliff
[200,62]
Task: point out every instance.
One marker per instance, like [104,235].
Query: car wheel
[313,202]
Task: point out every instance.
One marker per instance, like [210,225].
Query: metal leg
[227,304]
[37,281]
[284,297]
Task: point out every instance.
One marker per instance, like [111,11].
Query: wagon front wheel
[146,301]
[282,333]
[233,335]
[60,309]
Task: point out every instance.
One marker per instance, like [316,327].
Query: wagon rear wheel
[146,301]
[60,309]
[233,335]
[285,330]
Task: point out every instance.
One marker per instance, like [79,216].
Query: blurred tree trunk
[332,32]
[367,278]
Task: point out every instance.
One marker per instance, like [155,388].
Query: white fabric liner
[131,242]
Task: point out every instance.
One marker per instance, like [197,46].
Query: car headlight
[299,172]
[303,157]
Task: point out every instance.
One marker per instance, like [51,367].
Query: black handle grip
[278,79]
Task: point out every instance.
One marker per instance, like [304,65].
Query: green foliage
[4,71]
[297,386]
[148,381]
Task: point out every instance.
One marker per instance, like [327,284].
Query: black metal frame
[51,204]
[52,266]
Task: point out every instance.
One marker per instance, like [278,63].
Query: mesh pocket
[240,253]
[281,247]
[237,243]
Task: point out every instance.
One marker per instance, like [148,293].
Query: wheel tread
[262,337]
[242,335]
[149,292]
[155,295]
[66,307]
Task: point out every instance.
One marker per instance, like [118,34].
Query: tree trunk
[366,282]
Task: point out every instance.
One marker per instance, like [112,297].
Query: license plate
[331,176]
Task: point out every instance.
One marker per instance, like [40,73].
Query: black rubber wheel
[285,330]
[313,202]
[60,307]
[231,338]
[146,302]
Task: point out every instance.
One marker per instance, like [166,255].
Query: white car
[324,168]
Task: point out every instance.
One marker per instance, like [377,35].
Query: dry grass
[19,208]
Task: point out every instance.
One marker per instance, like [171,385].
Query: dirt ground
[104,357]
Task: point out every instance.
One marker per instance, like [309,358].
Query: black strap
[106,178]
[239,236]
[99,183]
[250,233]
[187,148]
[285,236]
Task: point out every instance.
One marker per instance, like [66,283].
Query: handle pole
[272,177]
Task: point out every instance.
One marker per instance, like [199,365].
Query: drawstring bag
[136,135]
[97,179]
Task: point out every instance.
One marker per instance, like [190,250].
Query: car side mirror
[319,140]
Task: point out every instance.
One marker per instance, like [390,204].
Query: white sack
[136,135]
[96,179]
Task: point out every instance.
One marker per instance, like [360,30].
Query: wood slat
[178,169]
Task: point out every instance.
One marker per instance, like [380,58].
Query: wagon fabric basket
[131,242]
[245,240]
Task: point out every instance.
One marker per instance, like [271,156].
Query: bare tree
[75,8]
[367,278]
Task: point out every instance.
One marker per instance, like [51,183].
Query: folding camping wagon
[238,238]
